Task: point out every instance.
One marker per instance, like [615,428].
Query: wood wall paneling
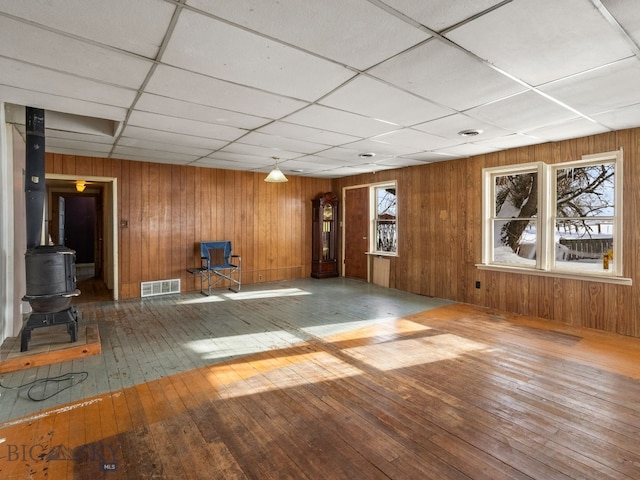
[171,208]
[440,238]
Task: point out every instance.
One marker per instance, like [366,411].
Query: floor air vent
[160,287]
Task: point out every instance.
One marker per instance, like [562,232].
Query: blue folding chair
[218,265]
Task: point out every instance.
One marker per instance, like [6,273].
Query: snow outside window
[564,218]
[384,222]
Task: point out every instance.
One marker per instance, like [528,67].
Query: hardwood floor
[329,379]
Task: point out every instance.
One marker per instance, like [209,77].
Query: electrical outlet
[477,284]
[259,277]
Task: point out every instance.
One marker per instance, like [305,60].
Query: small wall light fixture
[275,175]
[80,186]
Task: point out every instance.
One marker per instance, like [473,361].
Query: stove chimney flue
[50,269]
[35,187]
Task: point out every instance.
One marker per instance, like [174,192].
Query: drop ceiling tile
[600,90]
[449,127]
[331,174]
[192,111]
[204,45]
[620,118]
[345,171]
[340,23]
[627,15]
[446,75]
[510,141]
[166,147]
[71,151]
[20,96]
[68,55]
[283,143]
[195,88]
[150,159]
[539,41]
[137,27]
[184,126]
[577,127]
[80,137]
[163,138]
[325,118]
[153,155]
[339,155]
[431,157]
[308,134]
[418,140]
[468,150]
[441,14]
[521,112]
[334,157]
[31,77]
[222,164]
[396,162]
[299,166]
[246,161]
[61,143]
[379,148]
[264,153]
[373,98]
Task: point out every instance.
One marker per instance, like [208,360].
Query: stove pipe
[35,187]
[50,269]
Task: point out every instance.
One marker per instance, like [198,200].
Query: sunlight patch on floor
[412,352]
[276,293]
[203,299]
[235,345]
[382,328]
[300,370]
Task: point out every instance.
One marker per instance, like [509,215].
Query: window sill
[568,275]
[382,254]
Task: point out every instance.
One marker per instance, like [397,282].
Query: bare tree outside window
[386,235]
[583,214]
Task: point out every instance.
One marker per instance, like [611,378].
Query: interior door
[356,232]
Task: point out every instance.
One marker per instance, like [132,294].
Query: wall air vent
[160,287]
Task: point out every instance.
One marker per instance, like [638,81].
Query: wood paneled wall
[171,208]
[440,238]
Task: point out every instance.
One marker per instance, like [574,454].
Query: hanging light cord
[75,378]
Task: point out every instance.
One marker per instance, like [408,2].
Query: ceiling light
[80,186]
[275,175]
[367,155]
[470,133]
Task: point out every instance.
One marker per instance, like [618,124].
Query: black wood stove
[51,284]
[50,269]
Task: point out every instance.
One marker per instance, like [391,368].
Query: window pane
[516,195]
[586,245]
[386,237]
[386,202]
[585,191]
[515,241]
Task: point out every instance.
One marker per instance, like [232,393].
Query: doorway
[85,222]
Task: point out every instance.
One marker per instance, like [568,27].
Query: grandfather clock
[324,236]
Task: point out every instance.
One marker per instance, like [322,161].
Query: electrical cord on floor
[75,377]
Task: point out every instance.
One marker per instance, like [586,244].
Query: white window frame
[545,241]
[373,209]
[488,209]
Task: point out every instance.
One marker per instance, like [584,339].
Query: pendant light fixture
[275,175]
